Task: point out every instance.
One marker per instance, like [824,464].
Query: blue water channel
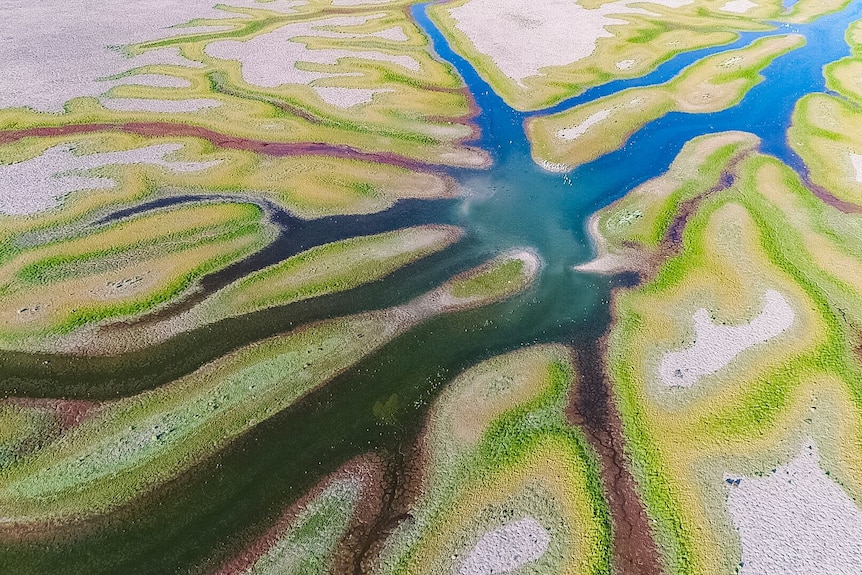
[516,203]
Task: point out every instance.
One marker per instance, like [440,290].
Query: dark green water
[209,514]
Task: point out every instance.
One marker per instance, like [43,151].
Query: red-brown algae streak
[69,412]
[168,129]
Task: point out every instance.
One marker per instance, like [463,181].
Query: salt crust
[347,97]
[856,162]
[271,59]
[501,28]
[505,549]
[738,6]
[716,345]
[576,132]
[55,50]
[155,80]
[796,521]
[151,105]
[40,183]
[358,2]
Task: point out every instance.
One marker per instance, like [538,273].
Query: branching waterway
[194,523]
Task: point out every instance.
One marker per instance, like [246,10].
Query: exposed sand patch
[40,183]
[553,167]
[796,521]
[270,60]
[716,345]
[155,80]
[625,64]
[152,105]
[346,97]
[395,34]
[558,32]
[162,57]
[505,549]
[358,2]
[576,132]
[74,43]
[738,6]
[856,162]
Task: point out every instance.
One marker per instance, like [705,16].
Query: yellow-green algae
[309,185]
[581,134]
[646,39]
[843,76]
[422,114]
[825,134]
[326,269]
[804,11]
[23,428]
[121,270]
[330,268]
[499,449]
[630,232]
[133,444]
[307,545]
[765,231]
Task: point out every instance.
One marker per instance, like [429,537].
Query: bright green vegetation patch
[568,139]
[826,134]
[136,443]
[121,270]
[377,86]
[626,43]
[330,268]
[843,76]
[307,545]
[492,281]
[503,276]
[22,428]
[765,231]
[152,437]
[501,453]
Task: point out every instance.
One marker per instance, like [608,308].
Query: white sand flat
[271,59]
[154,80]
[40,183]
[346,97]
[576,132]
[505,549]
[74,45]
[738,6]
[716,345]
[153,105]
[558,32]
[856,162]
[796,521]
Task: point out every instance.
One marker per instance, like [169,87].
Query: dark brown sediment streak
[368,470]
[404,471]
[592,409]
[275,149]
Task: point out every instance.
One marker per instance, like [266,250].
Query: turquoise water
[211,513]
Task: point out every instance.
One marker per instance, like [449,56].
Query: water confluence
[196,522]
